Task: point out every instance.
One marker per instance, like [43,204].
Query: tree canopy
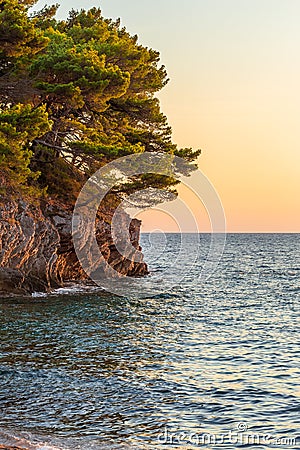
[74,95]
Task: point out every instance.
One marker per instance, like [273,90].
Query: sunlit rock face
[37,252]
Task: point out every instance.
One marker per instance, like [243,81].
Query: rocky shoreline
[5,447]
[37,252]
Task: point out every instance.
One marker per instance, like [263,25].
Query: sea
[187,357]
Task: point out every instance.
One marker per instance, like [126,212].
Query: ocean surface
[183,362]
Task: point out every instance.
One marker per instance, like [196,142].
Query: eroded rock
[37,252]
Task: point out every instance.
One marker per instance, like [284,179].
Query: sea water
[213,362]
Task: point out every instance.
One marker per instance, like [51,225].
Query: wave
[26,442]
[30,441]
[71,288]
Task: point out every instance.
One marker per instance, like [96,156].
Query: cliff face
[36,248]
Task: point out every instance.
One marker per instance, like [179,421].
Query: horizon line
[220,232]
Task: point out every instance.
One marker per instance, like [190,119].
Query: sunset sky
[234,92]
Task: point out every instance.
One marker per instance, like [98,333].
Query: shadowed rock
[37,252]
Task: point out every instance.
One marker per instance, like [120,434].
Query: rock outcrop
[37,251]
[9,447]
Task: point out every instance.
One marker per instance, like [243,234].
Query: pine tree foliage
[76,94]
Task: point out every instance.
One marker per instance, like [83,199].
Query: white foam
[39,294]
[69,289]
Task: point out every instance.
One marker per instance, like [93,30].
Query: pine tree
[95,87]
[19,126]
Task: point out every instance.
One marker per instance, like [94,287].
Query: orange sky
[238,99]
[234,67]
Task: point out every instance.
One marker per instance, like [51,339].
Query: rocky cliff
[36,247]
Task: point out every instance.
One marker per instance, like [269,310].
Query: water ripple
[92,370]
